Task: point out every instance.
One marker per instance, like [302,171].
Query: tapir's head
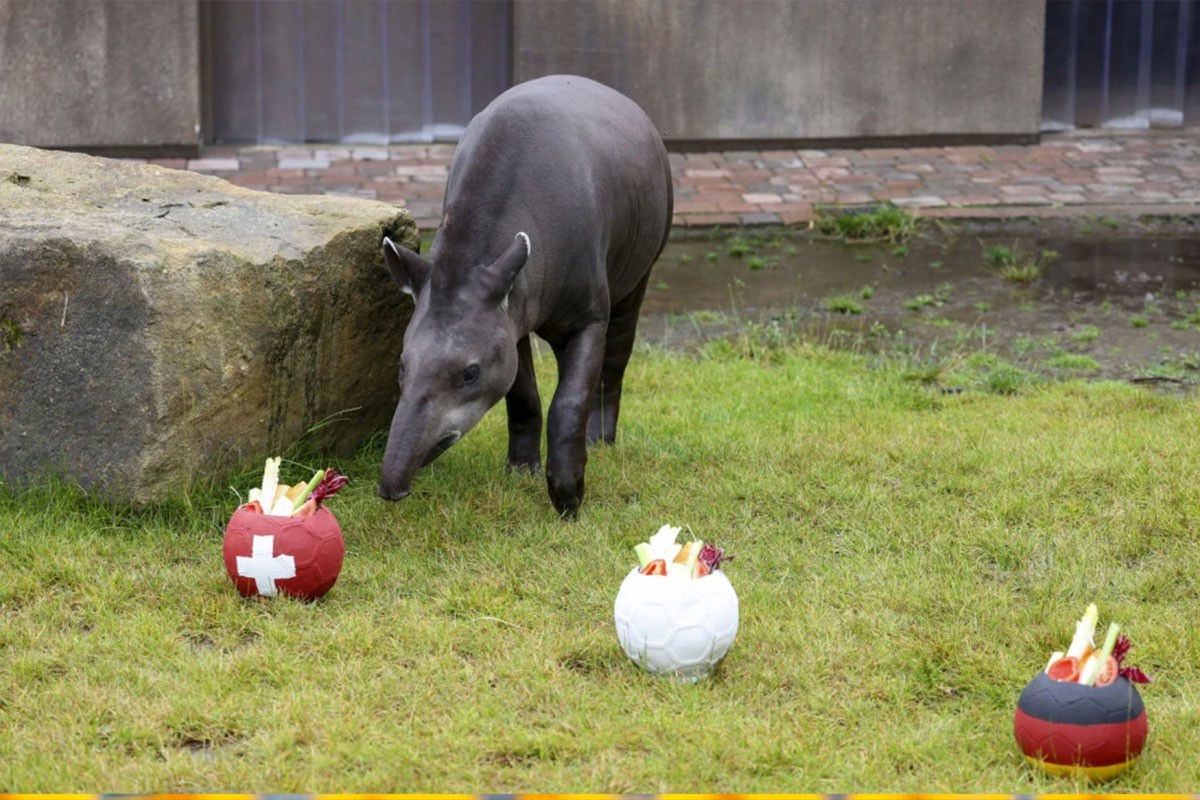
[459,358]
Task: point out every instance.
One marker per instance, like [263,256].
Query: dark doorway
[1121,64]
[351,71]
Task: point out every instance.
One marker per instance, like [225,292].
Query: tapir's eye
[470,375]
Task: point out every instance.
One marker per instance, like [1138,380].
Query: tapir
[558,202]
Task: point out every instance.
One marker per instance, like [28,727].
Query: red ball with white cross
[298,556]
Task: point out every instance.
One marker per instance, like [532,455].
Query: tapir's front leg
[579,359]
[524,408]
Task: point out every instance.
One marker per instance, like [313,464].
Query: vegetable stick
[1090,671]
[300,499]
[1085,629]
[281,506]
[270,482]
[663,544]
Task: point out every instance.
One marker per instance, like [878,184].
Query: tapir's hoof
[566,503]
[393,495]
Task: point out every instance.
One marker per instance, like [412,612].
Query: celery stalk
[302,498]
[1091,670]
[644,554]
[694,557]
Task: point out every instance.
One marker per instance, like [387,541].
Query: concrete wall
[125,74]
[100,74]
[801,69]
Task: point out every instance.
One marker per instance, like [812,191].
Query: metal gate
[351,71]
[1121,64]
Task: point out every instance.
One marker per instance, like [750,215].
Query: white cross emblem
[264,568]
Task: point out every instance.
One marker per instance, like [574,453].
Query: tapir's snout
[392,494]
[398,471]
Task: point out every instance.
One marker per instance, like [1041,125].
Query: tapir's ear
[408,269]
[503,271]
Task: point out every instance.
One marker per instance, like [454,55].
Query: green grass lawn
[906,560]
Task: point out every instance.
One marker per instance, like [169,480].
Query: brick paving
[1079,173]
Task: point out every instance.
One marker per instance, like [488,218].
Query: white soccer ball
[676,626]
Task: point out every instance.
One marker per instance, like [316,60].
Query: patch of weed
[1104,221]
[998,255]
[1007,379]
[887,223]
[1016,266]
[1138,321]
[739,246]
[1088,333]
[940,297]
[1075,362]
[843,304]
[10,334]
[927,374]
[706,316]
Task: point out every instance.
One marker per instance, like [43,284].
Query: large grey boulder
[159,327]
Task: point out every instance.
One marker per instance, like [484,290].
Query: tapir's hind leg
[524,414]
[618,345]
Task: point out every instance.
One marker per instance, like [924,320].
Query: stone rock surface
[159,327]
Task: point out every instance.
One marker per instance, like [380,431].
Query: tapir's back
[578,166]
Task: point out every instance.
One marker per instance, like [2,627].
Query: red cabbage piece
[329,486]
[1130,673]
[712,557]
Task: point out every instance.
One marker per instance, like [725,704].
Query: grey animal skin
[558,202]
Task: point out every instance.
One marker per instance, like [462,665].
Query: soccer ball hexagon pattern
[299,556]
[681,627]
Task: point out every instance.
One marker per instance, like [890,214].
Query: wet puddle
[1083,298]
